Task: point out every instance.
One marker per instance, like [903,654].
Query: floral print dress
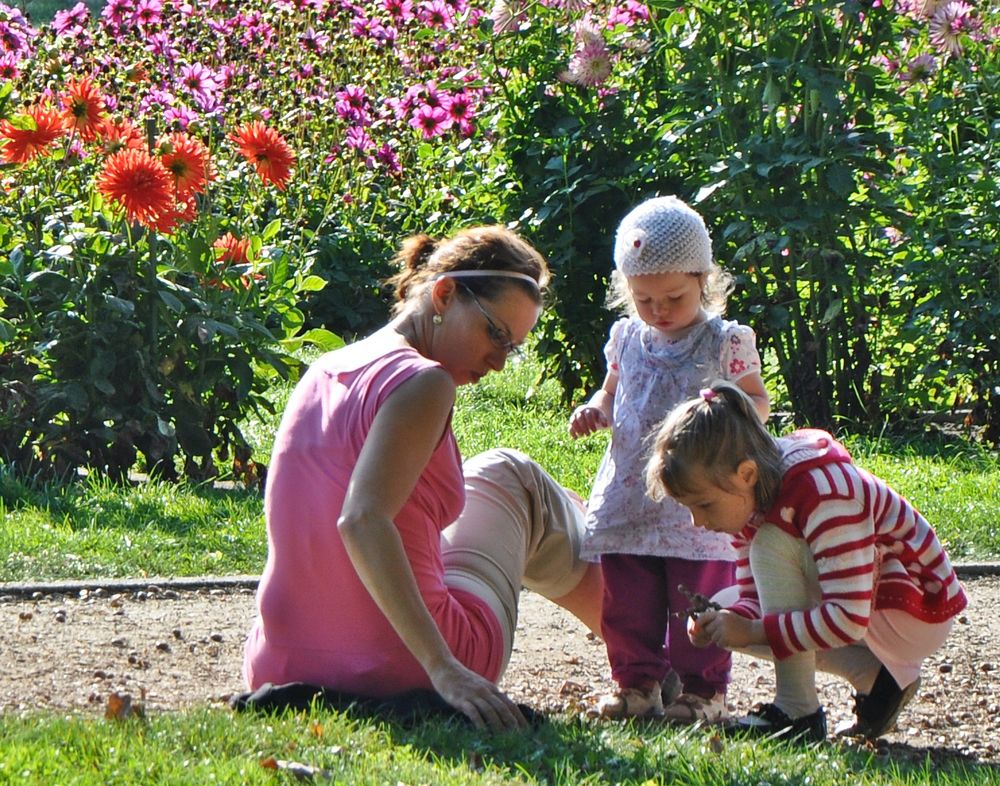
[655,374]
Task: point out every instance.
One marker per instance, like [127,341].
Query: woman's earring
[437,319]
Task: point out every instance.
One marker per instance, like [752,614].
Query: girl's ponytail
[706,439]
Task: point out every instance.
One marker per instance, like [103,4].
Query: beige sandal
[631,703]
[690,708]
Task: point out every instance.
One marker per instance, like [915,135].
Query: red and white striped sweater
[872,548]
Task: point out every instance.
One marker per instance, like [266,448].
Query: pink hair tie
[708,394]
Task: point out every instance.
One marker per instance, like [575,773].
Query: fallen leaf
[120,706]
[305,772]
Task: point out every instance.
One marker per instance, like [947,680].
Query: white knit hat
[662,235]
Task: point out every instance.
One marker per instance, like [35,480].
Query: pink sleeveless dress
[317,623]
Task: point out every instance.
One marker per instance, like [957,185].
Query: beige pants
[519,528]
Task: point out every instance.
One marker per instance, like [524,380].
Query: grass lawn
[212,746]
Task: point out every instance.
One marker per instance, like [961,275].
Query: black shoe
[767,720]
[877,712]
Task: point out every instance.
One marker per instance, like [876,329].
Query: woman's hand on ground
[478,698]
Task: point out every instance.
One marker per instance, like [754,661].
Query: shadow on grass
[563,751]
[574,751]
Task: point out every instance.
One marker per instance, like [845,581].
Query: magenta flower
[179,117]
[388,158]
[507,16]
[629,14]
[312,41]
[70,22]
[399,10]
[155,99]
[589,66]
[461,111]
[352,104]
[357,138]
[362,26]
[436,13]
[162,45]
[429,94]
[8,67]
[198,80]
[148,12]
[920,69]
[431,120]
[116,12]
[14,36]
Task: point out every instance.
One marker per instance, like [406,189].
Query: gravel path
[169,649]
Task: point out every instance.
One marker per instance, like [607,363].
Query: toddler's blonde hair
[716,286]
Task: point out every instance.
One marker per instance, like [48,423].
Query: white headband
[484,273]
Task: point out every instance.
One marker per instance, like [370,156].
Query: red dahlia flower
[116,135]
[187,160]
[139,183]
[267,151]
[23,144]
[83,108]
[231,249]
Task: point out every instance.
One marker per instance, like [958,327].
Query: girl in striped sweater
[835,570]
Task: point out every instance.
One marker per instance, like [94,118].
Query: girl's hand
[730,631]
[586,419]
[696,632]
[478,698]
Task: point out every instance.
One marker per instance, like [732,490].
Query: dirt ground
[169,649]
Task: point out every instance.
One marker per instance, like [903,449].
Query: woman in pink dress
[391,565]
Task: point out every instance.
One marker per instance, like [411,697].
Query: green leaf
[324,339]
[832,311]
[840,179]
[104,386]
[171,300]
[279,270]
[311,284]
[271,230]
[124,307]
[61,251]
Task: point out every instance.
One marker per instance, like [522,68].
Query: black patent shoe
[876,713]
[767,720]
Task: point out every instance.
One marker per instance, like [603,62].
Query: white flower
[589,66]
[949,24]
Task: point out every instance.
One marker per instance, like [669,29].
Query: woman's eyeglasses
[500,337]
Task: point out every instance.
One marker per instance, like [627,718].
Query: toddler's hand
[586,420]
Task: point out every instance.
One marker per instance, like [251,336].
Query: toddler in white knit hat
[672,343]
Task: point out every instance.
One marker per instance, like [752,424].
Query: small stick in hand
[698,602]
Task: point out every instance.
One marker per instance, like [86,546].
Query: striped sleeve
[748,604]
[831,507]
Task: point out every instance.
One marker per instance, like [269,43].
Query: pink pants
[644,621]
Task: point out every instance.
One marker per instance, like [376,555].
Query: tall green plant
[949,177]
[792,127]
[783,139]
[125,335]
[580,127]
